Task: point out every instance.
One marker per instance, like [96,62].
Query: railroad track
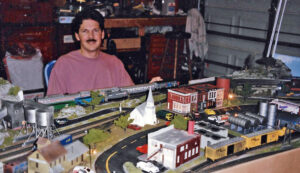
[17,150]
[210,166]
[9,153]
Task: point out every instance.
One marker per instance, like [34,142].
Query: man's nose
[91,34]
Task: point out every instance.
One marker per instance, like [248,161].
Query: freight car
[262,137]
[225,148]
[287,106]
[162,85]
[240,144]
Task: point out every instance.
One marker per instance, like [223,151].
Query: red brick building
[182,100]
[187,98]
[212,95]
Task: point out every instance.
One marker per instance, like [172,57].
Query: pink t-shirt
[73,73]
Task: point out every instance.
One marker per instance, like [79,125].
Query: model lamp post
[229,98]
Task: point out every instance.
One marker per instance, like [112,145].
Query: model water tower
[40,118]
[30,117]
[44,123]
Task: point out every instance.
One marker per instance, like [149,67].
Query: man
[88,68]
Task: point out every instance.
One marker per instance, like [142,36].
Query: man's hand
[156,79]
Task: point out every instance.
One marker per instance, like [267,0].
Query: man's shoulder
[73,53]
[67,56]
[110,58]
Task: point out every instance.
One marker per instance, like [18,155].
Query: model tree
[14,91]
[94,136]
[246,91]
[123,121]
[2,81]
[179,122]
[96,99]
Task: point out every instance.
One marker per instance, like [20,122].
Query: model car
[209,112]
[82,169]
[61,121]
[134,127]
[169,116]
[165,115]
[217,119]
[142,148]
[147,167]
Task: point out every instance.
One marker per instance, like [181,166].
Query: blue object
[66,140]
[79,101]
[47,70]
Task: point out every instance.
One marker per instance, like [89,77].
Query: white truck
[218,119]
[147,167]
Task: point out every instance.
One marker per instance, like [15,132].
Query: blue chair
[47,70]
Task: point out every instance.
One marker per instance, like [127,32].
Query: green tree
[14,91]
[2,81]
[269,92]
[123,121]
[285,88]
[96,99]
[179,122]
[246,91]
[94,136]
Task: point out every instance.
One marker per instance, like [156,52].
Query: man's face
[90,35]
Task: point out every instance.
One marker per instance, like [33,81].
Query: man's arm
[55,86]
[156,79]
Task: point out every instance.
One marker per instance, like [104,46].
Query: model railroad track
[7,153]
[211,166]
[257,81]
[235,109]
[10,153]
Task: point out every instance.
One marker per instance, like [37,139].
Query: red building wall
[178,98]
[193,143]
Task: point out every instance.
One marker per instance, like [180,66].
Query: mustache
[91,40]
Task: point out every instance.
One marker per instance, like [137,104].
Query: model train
[239,144]
[108,93]
[286,106]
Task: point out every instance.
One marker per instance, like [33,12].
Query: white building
[172,147]
[144,113]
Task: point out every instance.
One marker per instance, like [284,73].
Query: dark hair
[87,13]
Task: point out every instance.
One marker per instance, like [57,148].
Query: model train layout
[200,105]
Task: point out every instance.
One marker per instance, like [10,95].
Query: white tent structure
[145,112]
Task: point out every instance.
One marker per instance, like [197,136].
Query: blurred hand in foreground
[156,79]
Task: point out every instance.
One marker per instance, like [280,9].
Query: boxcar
[261,137]
[225,148]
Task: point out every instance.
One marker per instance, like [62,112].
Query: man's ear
[102,34]
[77,36]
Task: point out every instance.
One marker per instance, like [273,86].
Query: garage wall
[237,28]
